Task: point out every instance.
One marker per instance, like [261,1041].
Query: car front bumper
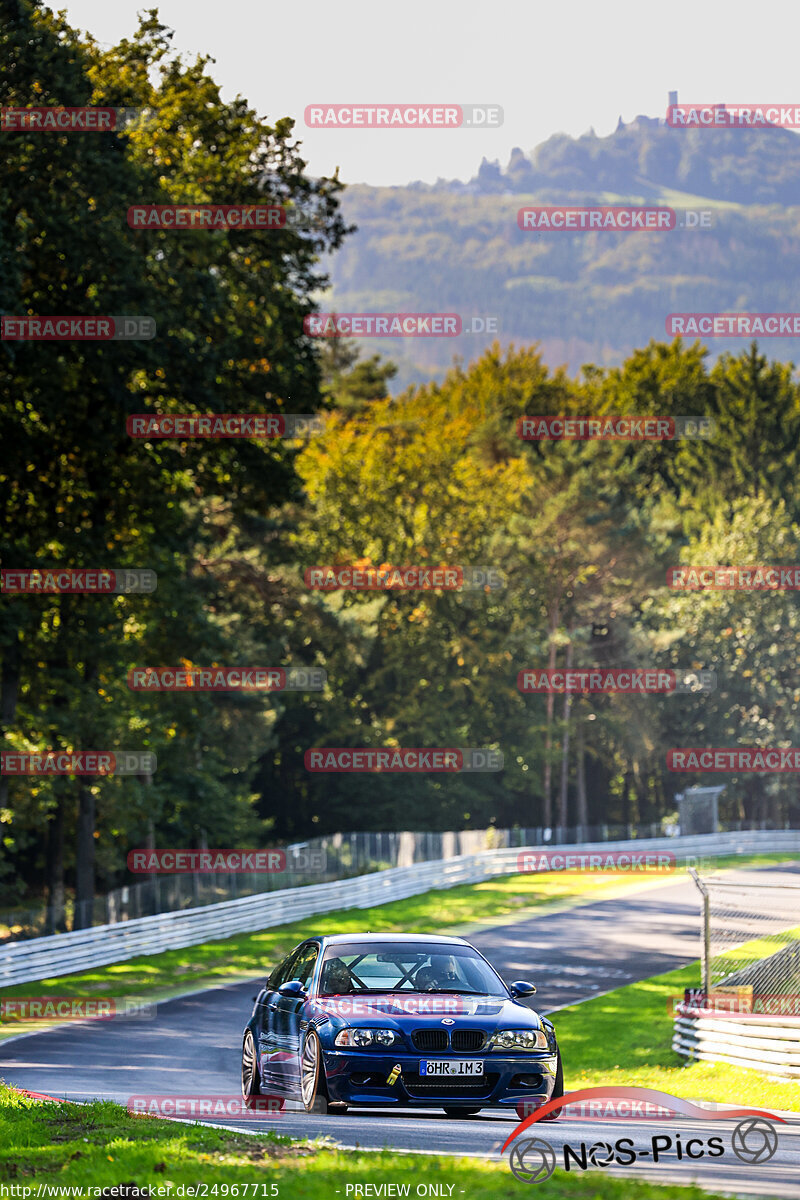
[361,1077]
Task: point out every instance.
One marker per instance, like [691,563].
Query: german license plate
[450,1067]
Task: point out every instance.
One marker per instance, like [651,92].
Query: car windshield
[407,967]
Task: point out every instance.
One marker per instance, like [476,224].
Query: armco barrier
[770,1045]
[66,953]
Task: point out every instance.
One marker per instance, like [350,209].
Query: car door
[272,1053]
[290,1021]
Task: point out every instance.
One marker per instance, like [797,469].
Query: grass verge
[99,1145]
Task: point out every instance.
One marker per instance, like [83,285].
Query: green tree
[77,490]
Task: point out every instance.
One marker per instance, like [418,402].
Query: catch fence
[751,935]
[747,1012]
[49,957]
[318,860]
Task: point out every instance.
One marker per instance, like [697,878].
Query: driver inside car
[442,973]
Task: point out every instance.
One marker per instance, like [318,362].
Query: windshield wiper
[378,992]
[401,991]
[453,992]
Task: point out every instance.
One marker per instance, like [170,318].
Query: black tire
[461,1112]
[251,1076]
[558,1091]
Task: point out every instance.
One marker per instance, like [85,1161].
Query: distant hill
[647,157]
[586,296]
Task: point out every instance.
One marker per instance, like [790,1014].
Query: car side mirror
[292,987]
[520,988]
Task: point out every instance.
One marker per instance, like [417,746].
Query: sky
[554,67]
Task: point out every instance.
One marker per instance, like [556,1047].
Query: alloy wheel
[310,1071]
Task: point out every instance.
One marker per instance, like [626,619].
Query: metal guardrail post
[705,957]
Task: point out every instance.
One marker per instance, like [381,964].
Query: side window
[303,967]
[281,972]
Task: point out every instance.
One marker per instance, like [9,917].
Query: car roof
[337,939]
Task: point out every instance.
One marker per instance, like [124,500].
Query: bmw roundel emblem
[448,1021]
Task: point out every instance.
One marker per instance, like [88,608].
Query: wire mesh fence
[318,860]
[751,937]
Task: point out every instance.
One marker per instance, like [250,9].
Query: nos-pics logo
[533,1160]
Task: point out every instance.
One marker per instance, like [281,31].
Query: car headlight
[366,1037]
[519,1039]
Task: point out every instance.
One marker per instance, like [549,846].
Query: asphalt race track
[191,1046]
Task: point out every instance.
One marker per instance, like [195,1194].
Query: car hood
[490,1012]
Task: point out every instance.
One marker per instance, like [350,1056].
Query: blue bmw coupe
[398,1020]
